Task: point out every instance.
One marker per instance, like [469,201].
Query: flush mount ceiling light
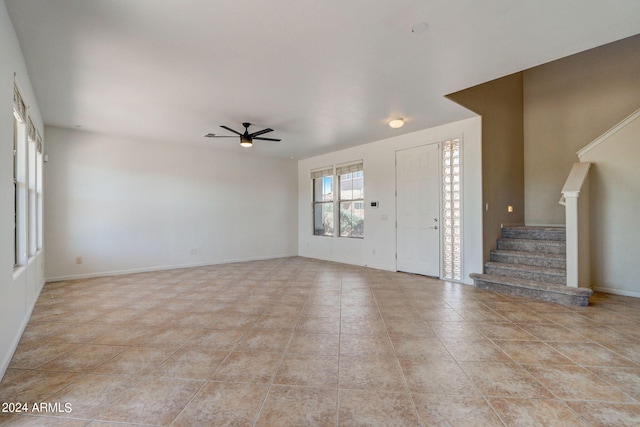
[396,123]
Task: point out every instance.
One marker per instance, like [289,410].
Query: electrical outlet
[78,260]
[193,252]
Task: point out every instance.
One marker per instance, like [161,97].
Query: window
[39,200]
[19,179]
[323,223]
[351,181]
[451,209]
[31,187]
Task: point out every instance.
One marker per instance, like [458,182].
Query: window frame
[20,202]
[351,173]
[318,207]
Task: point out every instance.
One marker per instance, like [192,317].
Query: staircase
[530,262]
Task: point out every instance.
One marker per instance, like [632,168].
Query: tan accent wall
[500,103]
[567,104]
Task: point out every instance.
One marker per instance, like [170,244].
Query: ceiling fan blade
[260,132]
[266,139]
[213,135]
[230,130]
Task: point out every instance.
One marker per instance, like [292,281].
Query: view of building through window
[348,209]
[352,204]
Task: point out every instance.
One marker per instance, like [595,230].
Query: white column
[572,243]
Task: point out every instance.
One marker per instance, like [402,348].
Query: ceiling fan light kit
[246,138]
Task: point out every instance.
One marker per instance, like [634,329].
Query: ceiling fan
[246,138]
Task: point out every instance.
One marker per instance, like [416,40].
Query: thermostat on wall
[374,205]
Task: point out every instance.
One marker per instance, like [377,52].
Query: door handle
[435,227]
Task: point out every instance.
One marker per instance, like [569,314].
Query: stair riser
[558,298]
[511,233]
[524,274]
[531,246]
[523,260]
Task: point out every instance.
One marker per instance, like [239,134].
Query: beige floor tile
[503,331]
[235,322]
[319,325]
[273,322]
[317,344]
[135,361]
[299,406]
[437,376]
[124,335]
[32,354]
[413,329]
[214,339]
[408,347]
[223,404]
[576,383]
[536,412]
[40,421]
[155,401]
[194,319]
[169,337]
[84,359]
[364,345]
[35,386]
[193,363]
[504,380]
[44,331]
[264,341]
[308,370]
[482,350]
[375,408]
[552,333]
[91,394]
[591,354]
[250,367]
[307,342]
[626,379]
[458,411]
[371,372]
[608,414]
[362,326]
[533,352]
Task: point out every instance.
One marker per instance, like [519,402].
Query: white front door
[418,210]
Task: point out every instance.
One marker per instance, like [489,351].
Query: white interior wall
[126,206]
[614,189]
[19,288]
[378,248]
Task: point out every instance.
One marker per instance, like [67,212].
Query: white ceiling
[324,74]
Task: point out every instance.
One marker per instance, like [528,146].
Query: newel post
[575,197]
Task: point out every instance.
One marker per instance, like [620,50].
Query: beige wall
[614,191]
[499,102]
[567,104]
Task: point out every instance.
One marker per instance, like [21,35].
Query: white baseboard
[158,268]
[615,291]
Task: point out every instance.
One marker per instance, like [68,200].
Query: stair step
[529,272]
[529,258]
[532,245]
[533,289]
[534,233]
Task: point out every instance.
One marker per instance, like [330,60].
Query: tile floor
[295,341]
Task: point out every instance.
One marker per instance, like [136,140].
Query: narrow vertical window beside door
[451,210]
